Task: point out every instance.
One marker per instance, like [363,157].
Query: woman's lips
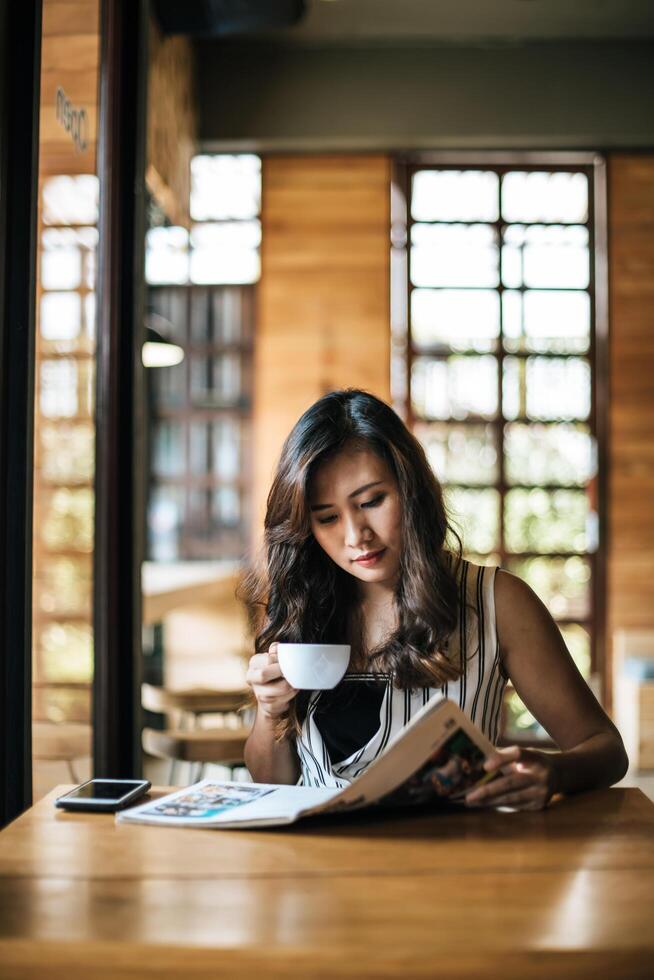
[371,558]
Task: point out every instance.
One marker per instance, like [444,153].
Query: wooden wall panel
[323,299]
[70,59]
[631,406]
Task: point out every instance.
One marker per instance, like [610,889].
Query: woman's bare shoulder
[517,608]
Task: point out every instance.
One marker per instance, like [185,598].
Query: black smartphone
[105,795]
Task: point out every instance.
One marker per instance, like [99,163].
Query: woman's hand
[528,780]
[270,688]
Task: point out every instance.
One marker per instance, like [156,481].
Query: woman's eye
[327,520]
[375,501]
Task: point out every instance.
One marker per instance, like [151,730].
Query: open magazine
[438,755]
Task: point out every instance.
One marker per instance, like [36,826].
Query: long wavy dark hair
[301,595]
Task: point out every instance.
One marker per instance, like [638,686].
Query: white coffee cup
[313,666]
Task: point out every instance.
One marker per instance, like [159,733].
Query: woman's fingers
[526,799]
[274,690]
[501,757]
[525,780]
[487,794]
[270,688]
[263,667]
[263,674]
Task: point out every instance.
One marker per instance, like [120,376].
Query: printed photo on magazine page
[456,766]
[206,801]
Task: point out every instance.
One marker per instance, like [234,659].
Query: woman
[359,550]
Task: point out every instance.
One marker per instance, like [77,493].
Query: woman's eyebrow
[355,493]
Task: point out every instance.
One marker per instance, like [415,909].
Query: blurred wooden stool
[222,746]
[61,742]
[187,740]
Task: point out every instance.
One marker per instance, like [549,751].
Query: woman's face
[356,515]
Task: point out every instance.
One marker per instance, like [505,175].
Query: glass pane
[86,388]
[461,319]
[520,721]
[454,388]
[577,640]
[61,259]
[562,583]
[231,314]
[170,385]
[460,453]
[88,236]
[546,388]
[172,306]
[556,322]
[544,197]
[58,388]
[199,448]
[492,559]
[476,515]
[225,186]
[226,506]
[65,587]
[67,453]
[89,318]
[67,652]
[168,449]
[539,256]
[226,252]
[454,255]
[226,448]
[227,380]
[62,703]
[68,520]
[197,518]
[166,255]
[199,377]
[541,520]
[165,516]
[64,382]
[60,315]
[70,200]
[455,195]
[540,454]
[200,316]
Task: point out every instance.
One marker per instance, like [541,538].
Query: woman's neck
[374,620]
[373,597]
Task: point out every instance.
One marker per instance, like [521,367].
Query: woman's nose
[357,531]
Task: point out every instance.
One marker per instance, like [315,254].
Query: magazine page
[222,804]
[439,753]
[454,768]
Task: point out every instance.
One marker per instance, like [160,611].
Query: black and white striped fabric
[345,729]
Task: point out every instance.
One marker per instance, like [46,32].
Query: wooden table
[564,892]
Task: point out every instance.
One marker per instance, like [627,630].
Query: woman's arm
[267,760]
[546,678]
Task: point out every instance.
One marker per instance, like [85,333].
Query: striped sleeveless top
[345,729]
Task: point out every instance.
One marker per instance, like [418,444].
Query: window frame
[593,165]
[187,413]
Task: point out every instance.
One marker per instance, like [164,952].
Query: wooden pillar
[323,300]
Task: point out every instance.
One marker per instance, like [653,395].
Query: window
[64,447]
[494,369]
[201,282]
